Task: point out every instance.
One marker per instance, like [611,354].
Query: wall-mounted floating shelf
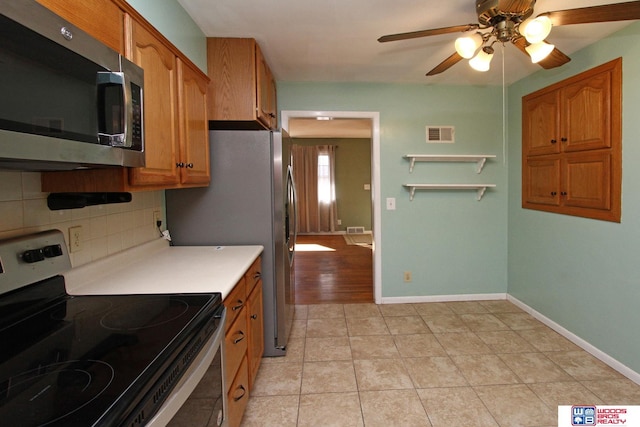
[480,159]
[480,188]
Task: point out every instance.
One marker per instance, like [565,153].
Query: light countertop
[156,267]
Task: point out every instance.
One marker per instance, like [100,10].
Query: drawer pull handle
[257,276]
[240,337]
[243,393]
[239,306]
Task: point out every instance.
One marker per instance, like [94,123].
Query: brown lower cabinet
[244,341]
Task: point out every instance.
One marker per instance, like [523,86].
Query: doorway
[373,122]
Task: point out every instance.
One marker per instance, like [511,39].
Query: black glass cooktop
[92,360]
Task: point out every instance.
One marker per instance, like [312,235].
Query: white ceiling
[336,40]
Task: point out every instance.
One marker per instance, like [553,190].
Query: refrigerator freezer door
[243,205]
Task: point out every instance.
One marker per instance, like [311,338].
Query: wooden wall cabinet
[572,145]
[244,341]
[242,90]
[175,117]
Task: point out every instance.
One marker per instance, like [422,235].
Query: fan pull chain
[504,113]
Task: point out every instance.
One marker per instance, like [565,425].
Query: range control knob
[33,255]
[52,251]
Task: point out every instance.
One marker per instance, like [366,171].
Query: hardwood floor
[342,275]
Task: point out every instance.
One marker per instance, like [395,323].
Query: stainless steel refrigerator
[250,201]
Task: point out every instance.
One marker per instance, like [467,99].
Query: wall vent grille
[355,230]
[440,134]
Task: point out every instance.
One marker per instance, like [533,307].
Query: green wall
[452,243]
[353,171]
[177,26]
[583,273]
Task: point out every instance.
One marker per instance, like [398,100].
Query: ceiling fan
[510,21]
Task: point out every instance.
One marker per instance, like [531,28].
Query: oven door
[203,382]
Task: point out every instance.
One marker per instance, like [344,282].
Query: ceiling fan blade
[446,64]
[425,33]
[605,13]
[555,59]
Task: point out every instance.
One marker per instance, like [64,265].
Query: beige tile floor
[481,363]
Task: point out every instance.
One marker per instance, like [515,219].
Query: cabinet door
[265,92]
[160,109]
[231,65]
[586,106]
[587,180]
[101,19]
[256,332]
[541,181]
[194,133]
[540,124]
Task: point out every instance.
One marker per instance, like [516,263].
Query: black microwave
[68,101]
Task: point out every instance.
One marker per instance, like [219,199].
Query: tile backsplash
[105,229]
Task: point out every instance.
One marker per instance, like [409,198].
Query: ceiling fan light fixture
[536,30]
[482,61]
[539,51]
[466,46]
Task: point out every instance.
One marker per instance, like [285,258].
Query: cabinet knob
[254,316]
[553,141]
[553,193]
[180,165]
[564,139]
[563,193]
[190,165]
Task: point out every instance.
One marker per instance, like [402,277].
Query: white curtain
[314,174]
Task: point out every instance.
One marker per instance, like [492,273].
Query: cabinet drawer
[253,275]
[238,396]
[235,342]
[235,302]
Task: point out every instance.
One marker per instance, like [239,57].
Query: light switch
[391,203]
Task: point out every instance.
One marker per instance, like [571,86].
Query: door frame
[376,198]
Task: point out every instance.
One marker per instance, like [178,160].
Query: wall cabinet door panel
[587,180]
[161,109]
[540,124]
[540,181]
[586,106]
[194,132]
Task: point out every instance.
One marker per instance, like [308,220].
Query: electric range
[95,360]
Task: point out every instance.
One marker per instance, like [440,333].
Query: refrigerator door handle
[291,189]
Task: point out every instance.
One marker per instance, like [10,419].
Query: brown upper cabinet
[572,145]
[175,102]
[242,90]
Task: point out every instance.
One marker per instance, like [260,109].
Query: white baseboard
[586,346]
[442,298]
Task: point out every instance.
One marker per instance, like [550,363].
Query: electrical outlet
[391,203]
[407,276]
[156,217]
[75,238]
